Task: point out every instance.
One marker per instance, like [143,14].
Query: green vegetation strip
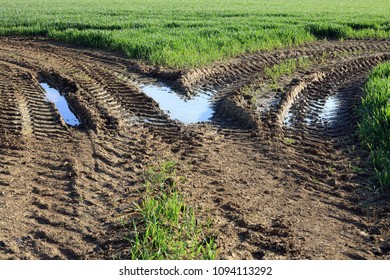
[167,228]
[183,33]
[374,127]
[288,67]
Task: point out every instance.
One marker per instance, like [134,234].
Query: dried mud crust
[280,178]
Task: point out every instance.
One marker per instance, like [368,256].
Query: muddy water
[191,110]
[61,104]
[288,119]
[329,111]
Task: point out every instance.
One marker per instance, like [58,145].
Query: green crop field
[183,33]
[374,126]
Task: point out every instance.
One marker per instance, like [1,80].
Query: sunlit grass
[287,67]
[374,127]
[167,227]
[181,33]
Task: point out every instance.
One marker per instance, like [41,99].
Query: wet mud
[278,168]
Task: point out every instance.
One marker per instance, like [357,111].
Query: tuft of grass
[287,67]
[374,124]
[289,141]
[356,169]
[167,228]
[315,180]
[331,169]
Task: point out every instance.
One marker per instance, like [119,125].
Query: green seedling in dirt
[315,180]
[287,67]
[289,141]
[331,169]
[253,102]
[356,169]
[166,227]
[324,57]
[247,92]
[123,222]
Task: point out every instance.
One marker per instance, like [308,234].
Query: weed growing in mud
[374,126]
[249,93]
[356,169]
[315,180]
[324,57]
[287,67]
[289,141]
[167,227]
[332,169]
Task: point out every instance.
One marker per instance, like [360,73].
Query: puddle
[62,105]
[308,121]
[329,111]
[288,119]
[196,109]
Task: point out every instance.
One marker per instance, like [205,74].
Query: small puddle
[195,109]
[288,119]
[308,121]
[329,111]
[62,105]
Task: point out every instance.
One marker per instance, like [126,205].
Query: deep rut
[281,177]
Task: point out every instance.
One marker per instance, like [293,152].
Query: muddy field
[279,170]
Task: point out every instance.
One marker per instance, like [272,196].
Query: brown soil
[274,189]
